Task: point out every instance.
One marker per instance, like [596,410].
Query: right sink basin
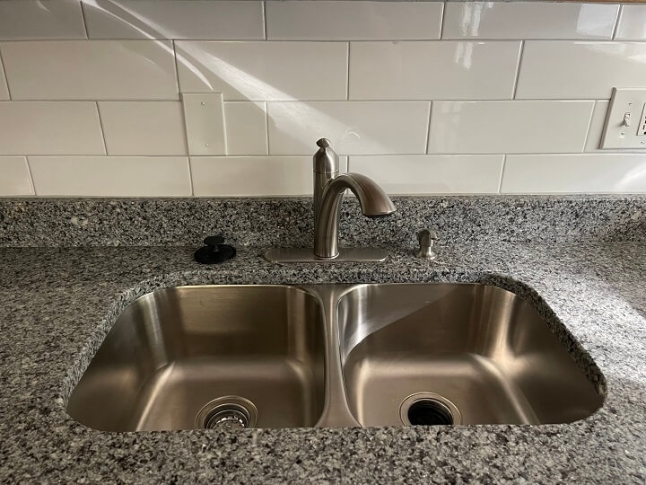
[455,354]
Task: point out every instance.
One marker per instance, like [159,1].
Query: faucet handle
[427,238]
[325,159]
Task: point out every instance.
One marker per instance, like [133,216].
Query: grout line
[31,177]
[105,144]
[442,18]
[177,70]
[587,133]
[347,77]
[428,126]
[347,164]
[502,173]
[4,73]
[264,20]
[620,12]
[617,151]
[84,19]
[520,63]
[267,126]
[184,126]
[190,175]
[461,40]
[305,101]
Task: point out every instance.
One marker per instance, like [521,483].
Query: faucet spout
[373,200]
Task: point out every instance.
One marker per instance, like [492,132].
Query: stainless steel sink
[455,353]
[229,357]
[193,357]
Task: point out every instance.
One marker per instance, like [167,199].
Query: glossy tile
[50,128]
[36,19]
[433,70]
[432,174]
[592,173]
[204,119]
[174,19]
[529,20]
[246,128]
[579,70]
[509,126]
[260,71]
[632,23]
[143,127]
[15,178]
[353,20]
[253,176]
[359,127]
[111,176]
[97,70]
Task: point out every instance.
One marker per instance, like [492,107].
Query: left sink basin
[208,357]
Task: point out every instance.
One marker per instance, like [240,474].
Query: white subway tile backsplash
[360,127]
[253,176]
[97,70]
[433,70]
[426,97]
[143,127]
[204,118]
[111,176]
[258,71]
[36,19]
[529,20]
[632,23]
[174,19]
[365,20]
[50,128]
[246,128]
[509,126]
[432,174]
[579,70]
[15,178]
[605,173]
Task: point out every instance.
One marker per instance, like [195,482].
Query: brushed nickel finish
[329,188]
[328,356]
[427,240]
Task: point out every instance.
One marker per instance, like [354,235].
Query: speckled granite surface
[57,304]
[289,222]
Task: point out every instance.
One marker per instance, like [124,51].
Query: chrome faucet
[329,188]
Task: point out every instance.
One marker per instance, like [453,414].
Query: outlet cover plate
[624,120]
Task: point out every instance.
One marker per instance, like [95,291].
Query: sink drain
[428,409]
[227,413]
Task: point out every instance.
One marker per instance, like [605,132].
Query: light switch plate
[625,121]
[204,119]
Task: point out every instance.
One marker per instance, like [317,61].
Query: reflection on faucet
[329,187]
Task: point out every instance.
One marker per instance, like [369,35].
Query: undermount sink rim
[344,288]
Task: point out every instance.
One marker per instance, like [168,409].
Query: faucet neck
[326,168]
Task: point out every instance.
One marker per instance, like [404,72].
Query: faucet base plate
[306,255]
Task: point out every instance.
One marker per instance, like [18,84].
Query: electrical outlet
[626,121]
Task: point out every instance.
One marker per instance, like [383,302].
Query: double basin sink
[228,357]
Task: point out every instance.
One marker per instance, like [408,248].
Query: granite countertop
[579,259]
[56,304]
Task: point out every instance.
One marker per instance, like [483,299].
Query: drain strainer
[227,413]
[428,409]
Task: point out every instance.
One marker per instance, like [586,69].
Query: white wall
[151,97]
